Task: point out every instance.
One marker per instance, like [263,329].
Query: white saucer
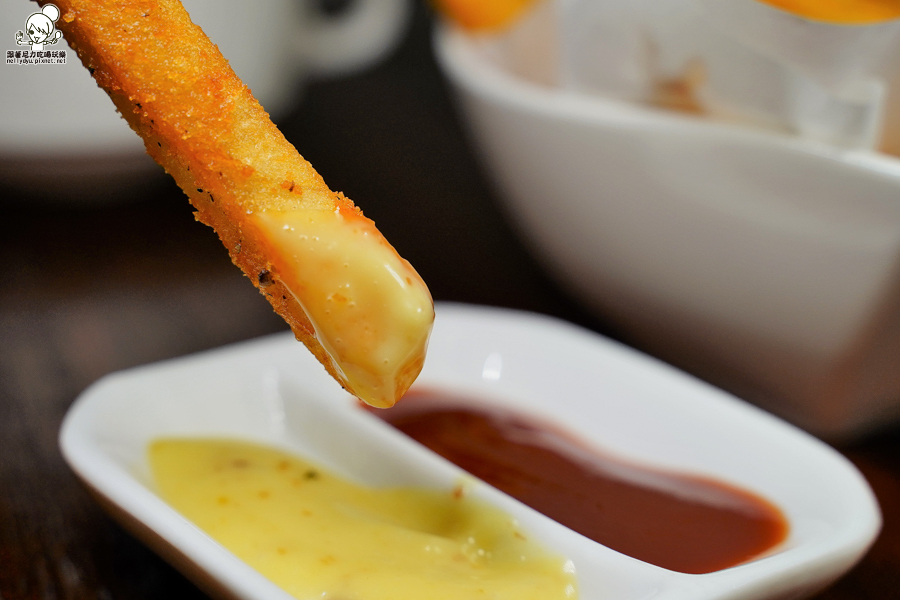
[272,390]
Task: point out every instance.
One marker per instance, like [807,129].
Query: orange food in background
[847,12]
[483,14]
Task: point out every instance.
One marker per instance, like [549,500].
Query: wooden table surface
[86,291]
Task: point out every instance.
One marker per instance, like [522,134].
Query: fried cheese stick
[345,292]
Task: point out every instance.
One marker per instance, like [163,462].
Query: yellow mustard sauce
[846,12]
[317,535]
[371,311]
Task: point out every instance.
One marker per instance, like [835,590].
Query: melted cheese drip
[847,12]
[371,311]
[319,536]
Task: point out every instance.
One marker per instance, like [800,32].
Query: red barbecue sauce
[683,523]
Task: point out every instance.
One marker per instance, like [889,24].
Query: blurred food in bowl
[759,259]
[824,71]
[484,16]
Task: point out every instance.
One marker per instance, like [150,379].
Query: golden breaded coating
[202,124]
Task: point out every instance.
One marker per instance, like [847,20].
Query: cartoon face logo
[40,29]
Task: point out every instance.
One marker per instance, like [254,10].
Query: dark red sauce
[683,523]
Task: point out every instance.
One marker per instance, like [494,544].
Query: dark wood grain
[84,292]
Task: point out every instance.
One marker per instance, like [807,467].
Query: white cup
[59,133]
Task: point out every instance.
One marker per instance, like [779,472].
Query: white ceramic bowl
[272,390]
[761,262]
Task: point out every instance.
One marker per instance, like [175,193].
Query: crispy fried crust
[202,124]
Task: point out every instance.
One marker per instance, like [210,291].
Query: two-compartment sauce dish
[580,393]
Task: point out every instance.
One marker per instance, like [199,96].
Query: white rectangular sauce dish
[274,392]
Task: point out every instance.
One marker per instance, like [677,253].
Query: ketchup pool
[679,522]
